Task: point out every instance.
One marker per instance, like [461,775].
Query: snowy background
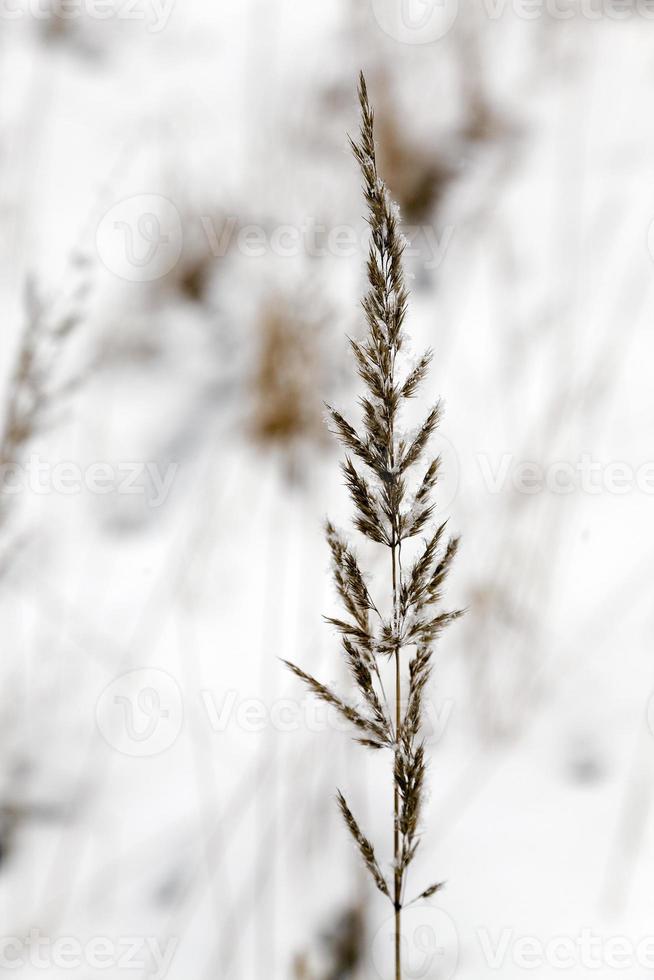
[175,176]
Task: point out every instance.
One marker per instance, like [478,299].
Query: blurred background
[183,245]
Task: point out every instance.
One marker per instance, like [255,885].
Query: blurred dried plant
[419,178]
[195,277]
[57,27]
[341,952]
[482,120]
[207,237]
[18,808]
[388,514]
[36,390]
[289,373]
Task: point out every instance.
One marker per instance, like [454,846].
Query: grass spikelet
[387,513]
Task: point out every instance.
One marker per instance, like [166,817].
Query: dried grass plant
[388,513]
[34,397]
[36,389]
[341,949]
